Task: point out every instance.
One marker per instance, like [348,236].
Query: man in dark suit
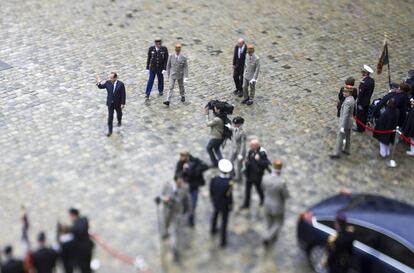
[156,66]
[239,58]
[365,90]
[44,259]
[115,99]
[83,245]
[222,199]
[11,265]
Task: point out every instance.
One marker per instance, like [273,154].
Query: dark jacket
[118,97]
[44,260]
[408,128]
[401,101]
[193,175]
[410,82]
[387,121]
[341,99]
[239,62]
[83,245]
[255,168]
[12,266]
[365,90]
[340,251]
[157,60]
[221,193]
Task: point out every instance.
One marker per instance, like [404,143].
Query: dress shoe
[166,103]
[119,124]
[334,156]
[245,101]
[146,97]
[240,94]
[345,153]
[409,153]
[182,99]
[249,102]
[108,134]
[160,94]
[244,207]
[223,244]
[235,92]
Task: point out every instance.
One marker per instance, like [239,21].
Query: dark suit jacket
[116,97]
[157,60]
[366,88]
[44,260]
[255,168]
[12,266]
[83,245]
[239,62]
[221,193]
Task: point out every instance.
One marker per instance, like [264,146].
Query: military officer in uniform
[365,90]
[44,259]
[251,72]
[176,208]
[221,198]
[156,66]
[276,194]
[239,57]
[339,247]
[345,124]
[177,70]
[238,147]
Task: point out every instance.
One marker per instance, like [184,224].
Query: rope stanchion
[137,262]
[372,129]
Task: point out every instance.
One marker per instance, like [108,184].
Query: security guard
[222,199]
[156,66]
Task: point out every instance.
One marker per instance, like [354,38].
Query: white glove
[163,72]
[240,157]
[148,71]
[360,107]
[228,125]
[185,79]
[252,81]
[342,130]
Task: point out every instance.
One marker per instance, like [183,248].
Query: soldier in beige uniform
[177,70]
[251,72]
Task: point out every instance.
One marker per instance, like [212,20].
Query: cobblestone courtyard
[53,118]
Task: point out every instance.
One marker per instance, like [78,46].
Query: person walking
[177,70]
[345,124]
[387,121]
[115,99]
[365,91]
[176,207]
[251,73]
[216,133]
[238,147]
[408,128]
[222,199]
[44,258]
[276,194]
[256,164]
[191,169]
[239,58]
[156,66]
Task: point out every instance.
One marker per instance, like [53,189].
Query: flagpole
[388,65]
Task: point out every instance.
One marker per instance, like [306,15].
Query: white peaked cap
[368,68]
[225,166]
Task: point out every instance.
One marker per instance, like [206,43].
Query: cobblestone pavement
[52,117]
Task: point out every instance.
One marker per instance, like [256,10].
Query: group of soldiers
[73,249]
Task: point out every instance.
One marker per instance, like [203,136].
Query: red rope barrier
[372,129]
[406,138]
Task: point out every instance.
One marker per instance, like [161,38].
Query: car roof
[387,215]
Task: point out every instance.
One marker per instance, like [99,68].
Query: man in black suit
[115,99]
[222,199]
[11,265]
[365,90]
[239,58]
[156,66]
[44,259]
[83,245]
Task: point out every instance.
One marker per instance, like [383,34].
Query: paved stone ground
[52,118]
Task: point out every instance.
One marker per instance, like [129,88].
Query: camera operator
[216,131]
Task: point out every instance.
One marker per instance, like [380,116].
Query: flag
[383,60]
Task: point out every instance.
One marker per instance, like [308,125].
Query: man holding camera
[216,132]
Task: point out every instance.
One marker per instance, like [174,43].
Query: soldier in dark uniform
[365,90]
[339,247]
[410,82]
[222,199]
[44,259]
[156,66]
[11,265]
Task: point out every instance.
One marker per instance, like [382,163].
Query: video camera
[225,107]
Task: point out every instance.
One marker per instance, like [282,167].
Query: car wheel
[315,255]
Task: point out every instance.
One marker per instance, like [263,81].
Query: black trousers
[238,78]
[224,220]
[362,115]
[258,185]
[213,150]
[111,115]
